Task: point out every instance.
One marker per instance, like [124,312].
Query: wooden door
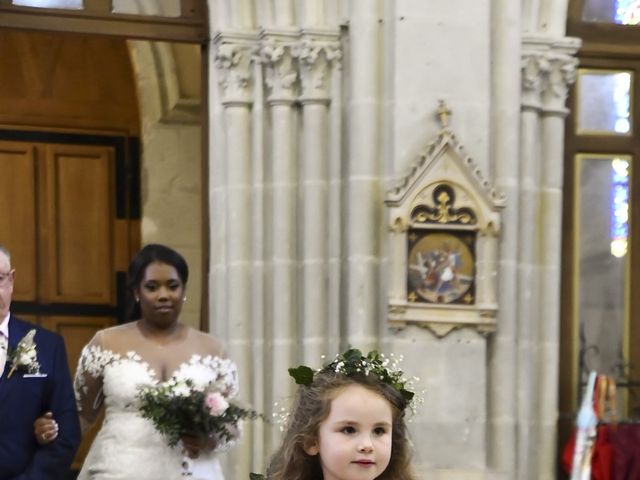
[71,230]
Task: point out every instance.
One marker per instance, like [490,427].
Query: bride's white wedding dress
[128,446]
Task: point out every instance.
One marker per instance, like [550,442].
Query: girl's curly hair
[312,405]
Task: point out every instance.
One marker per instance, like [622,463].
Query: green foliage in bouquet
[178,408]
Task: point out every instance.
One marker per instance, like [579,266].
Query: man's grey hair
[4,250]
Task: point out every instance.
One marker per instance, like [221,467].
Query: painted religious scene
[441,267]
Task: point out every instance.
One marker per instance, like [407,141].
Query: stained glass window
[628,12]
[162,8]
[64,4]
[602,211]
[601,330]
[622,12]
[604,98]
[619,207]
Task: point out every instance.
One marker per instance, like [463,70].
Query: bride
[149,351]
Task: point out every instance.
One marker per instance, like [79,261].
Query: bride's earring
[184,299]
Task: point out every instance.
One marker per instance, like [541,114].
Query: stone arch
[167,77]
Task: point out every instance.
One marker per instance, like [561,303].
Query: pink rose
[216,403]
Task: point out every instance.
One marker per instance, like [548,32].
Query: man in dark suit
[32,387]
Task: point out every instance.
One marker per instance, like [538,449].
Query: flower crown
[353,362]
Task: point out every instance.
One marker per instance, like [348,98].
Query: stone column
[534,67]
[236,15]
[547,71]
[313,13]
[316,52]
[561,74]
[282,179]
[284,13]
[336,206]
[505,113]
[258,322]
[231,259]
[553,17]
[364,189]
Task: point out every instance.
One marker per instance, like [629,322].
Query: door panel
[69,226]
[18,199]
[80,217]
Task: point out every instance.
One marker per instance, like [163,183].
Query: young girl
[347,422]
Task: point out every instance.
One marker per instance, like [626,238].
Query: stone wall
[285,289]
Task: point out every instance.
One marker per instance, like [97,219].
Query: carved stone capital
[534,67]
[561,75]
[316,58]
[281,69]
[548,69]
[234,59]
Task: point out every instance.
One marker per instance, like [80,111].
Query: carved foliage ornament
[234,61]
[294,61]
[315,59]
[442,210]
[281,71]
[548,70]
[300,61]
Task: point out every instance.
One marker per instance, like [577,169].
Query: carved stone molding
[447,137]
[297,64]
[234,59]
[281,70]
[561,75]
[317,53]
[534,67]
[548,68]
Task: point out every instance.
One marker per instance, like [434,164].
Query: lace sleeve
[87,384]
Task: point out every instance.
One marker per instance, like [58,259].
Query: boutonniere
[24,357]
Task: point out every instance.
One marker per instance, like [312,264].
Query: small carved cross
[443,113]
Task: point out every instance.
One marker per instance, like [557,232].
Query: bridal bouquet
[182,406]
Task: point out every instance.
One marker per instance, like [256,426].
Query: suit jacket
[24,398]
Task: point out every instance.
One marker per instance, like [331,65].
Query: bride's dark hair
[154,252]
